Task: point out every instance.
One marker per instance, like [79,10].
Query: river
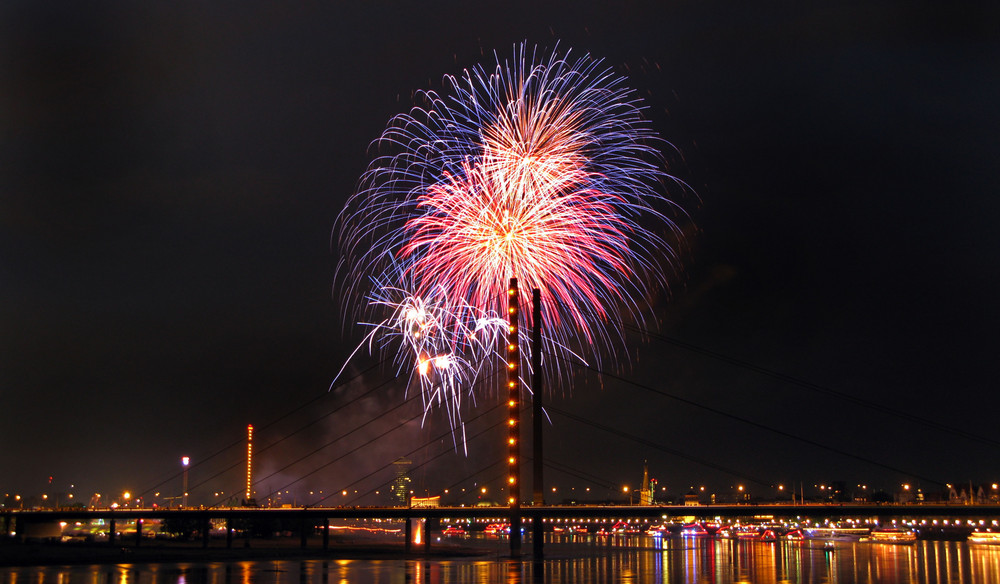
[636,558]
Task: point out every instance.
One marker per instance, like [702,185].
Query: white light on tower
[185,462]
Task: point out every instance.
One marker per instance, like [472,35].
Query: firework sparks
[541,169]
[447,344]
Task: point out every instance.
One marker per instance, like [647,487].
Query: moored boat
[891,535]
[835,533]
[985,537]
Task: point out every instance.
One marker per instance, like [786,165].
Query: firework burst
[541,168]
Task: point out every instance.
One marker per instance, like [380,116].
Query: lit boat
[985,537]
[891,535]
[624,527]
[693,530]
[836,533]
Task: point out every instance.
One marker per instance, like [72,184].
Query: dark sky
[171,173]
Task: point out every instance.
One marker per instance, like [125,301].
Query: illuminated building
[646,490]
[400,488]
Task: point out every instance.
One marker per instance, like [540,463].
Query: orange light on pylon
[513,413]
[249,462]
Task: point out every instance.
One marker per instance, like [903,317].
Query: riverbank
[13,553]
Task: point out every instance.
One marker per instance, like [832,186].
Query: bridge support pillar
[326,534]
[111,531]
[229,532]
[205,526]
[408,535]
[537,417]
[537,537]
[138,531]
[304,535]
[427,535]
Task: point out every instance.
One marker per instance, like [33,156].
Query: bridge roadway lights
[536,514]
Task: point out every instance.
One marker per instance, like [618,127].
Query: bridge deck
[527,512]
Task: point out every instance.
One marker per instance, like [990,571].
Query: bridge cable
[818,388]
[264,449]
[337,439]
[421,447]
[423,413]
[657,446]
[752,423]
[345,382]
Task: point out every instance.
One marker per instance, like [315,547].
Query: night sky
[171,173]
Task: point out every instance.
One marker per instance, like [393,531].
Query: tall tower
[185,463]
[248,499]
[513,419]
[537,411]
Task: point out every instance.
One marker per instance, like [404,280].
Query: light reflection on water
[612,560]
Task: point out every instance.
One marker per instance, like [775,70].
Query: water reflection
[607,559]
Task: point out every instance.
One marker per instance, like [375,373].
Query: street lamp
[185,462]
